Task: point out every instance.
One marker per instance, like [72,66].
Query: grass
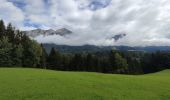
[38,84]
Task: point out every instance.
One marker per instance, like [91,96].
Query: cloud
[10,13]
[146,22]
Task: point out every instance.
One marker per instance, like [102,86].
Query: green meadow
[39,84]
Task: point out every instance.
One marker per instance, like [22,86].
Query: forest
[18,50]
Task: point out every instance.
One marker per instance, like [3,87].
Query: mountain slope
[118,36]
[38,84]
[38,32]
[92,48]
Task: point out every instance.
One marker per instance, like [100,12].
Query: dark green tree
[43,58]
[89,62]
[2,29]
[65,61]
[18,37]
[54,60]
[5,53]
[32,52]
[76,63]
[17,55]
[120,64]
[10,33]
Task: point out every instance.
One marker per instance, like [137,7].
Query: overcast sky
[146,22]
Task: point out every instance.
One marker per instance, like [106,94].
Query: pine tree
[18,37]
[43,59]
[120,64]
[112,57]
[32,52]
[54,60]
[2,29]
[10,33]
[89,62]
[5,53]
[77,63]
[65,62]
[17,54]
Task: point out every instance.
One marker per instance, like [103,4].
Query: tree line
[18,50]
[113,63]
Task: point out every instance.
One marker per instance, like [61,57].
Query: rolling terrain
[39,84]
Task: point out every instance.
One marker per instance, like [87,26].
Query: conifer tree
[2,29]
[120,64]
[5,53]
[10,33]
[17,54]
[43,58]
[54,60]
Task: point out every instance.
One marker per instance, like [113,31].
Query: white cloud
[11,13]
[146,22]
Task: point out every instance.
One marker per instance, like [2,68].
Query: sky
[146,22]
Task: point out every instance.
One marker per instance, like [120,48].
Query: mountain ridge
[38,32]
[93,48]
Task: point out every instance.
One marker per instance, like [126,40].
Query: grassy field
[37,84]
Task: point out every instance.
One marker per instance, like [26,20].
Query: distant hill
[92,48]
[89,48]
[76,49]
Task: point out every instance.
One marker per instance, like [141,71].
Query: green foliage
[43,58]
[120,64]
[54,60]
[32,53]
[2,29]
[17,49]
[89,62]
[10,32]
[5,52]
[17,55]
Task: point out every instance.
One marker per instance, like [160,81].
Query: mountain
[93,48]
[38,32]
[90,48]
[118,36]
[76,49]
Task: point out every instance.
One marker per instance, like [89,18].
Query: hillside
[37,84]
[93,48]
